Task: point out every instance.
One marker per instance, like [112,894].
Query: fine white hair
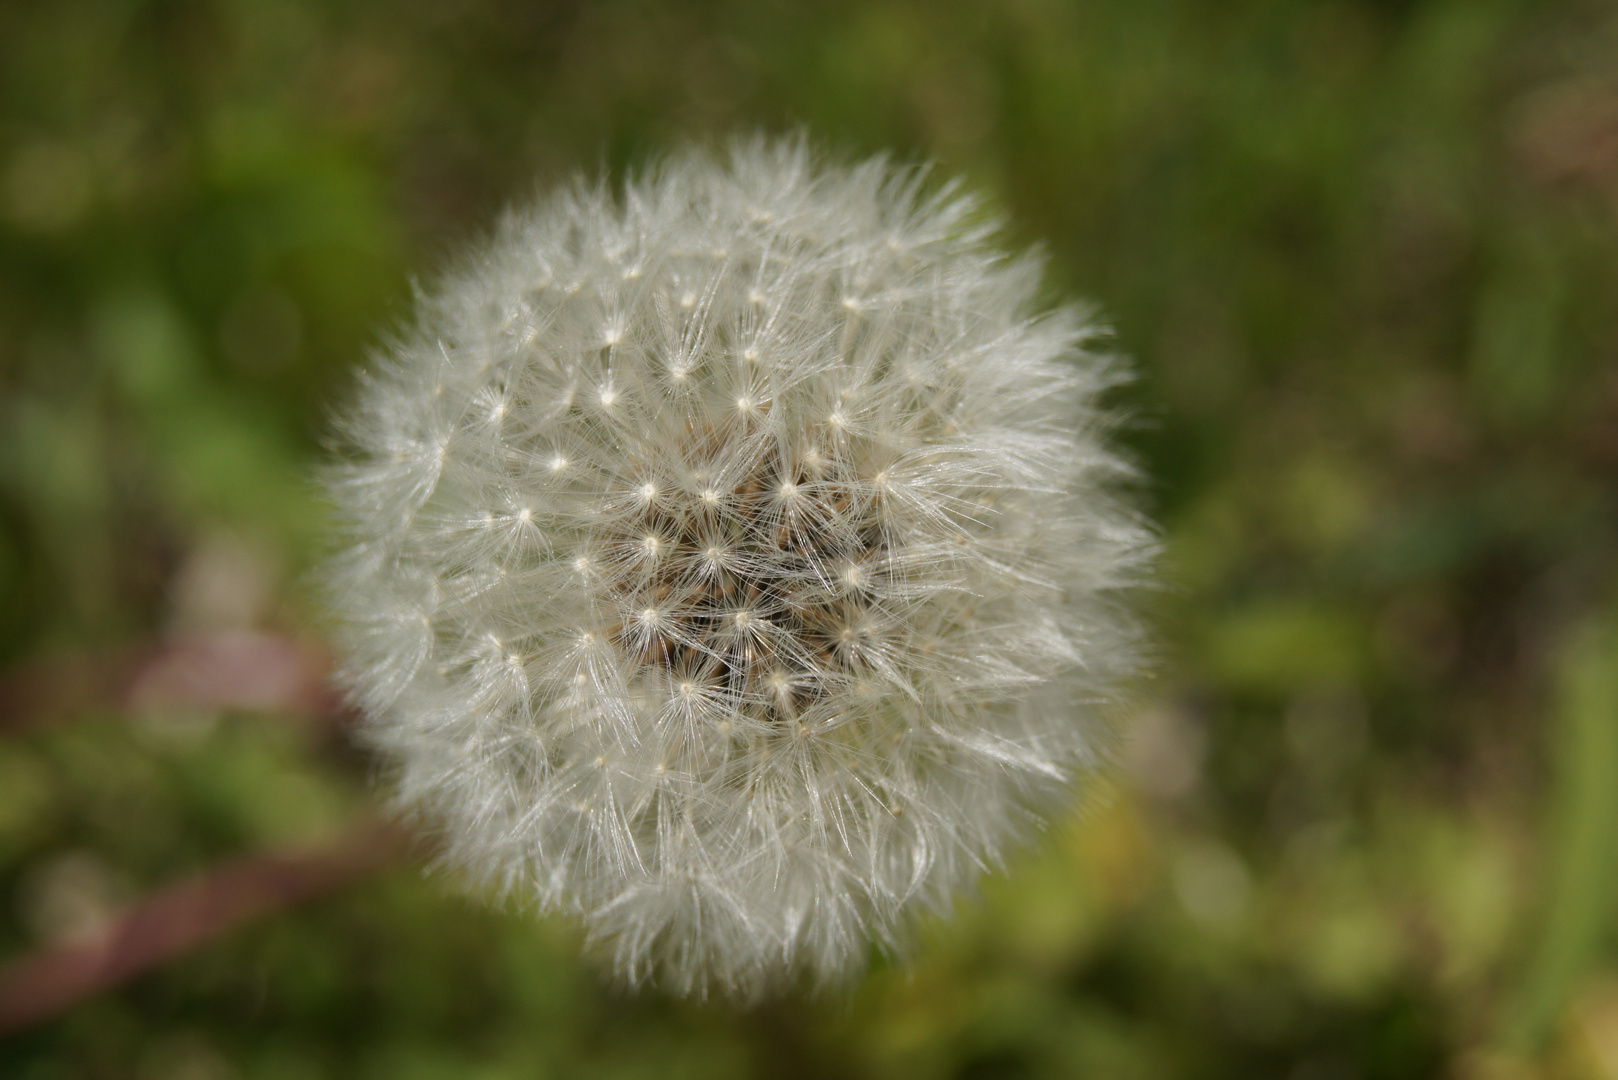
[732,560]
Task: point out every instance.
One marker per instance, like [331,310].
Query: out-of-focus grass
[1364,255]
[1582,839]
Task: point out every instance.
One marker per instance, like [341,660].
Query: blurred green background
[1365,255]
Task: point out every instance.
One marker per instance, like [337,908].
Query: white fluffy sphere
[730,560]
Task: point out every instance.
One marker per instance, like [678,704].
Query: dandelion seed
[810,687]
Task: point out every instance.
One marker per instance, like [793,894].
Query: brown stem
[237,670]
[181,916]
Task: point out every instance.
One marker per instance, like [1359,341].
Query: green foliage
[1363,253]
[1583,833]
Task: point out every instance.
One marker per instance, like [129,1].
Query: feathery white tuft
[732,561]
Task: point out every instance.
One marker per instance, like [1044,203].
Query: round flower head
[731,561]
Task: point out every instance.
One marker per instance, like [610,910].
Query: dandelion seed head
[784,653]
